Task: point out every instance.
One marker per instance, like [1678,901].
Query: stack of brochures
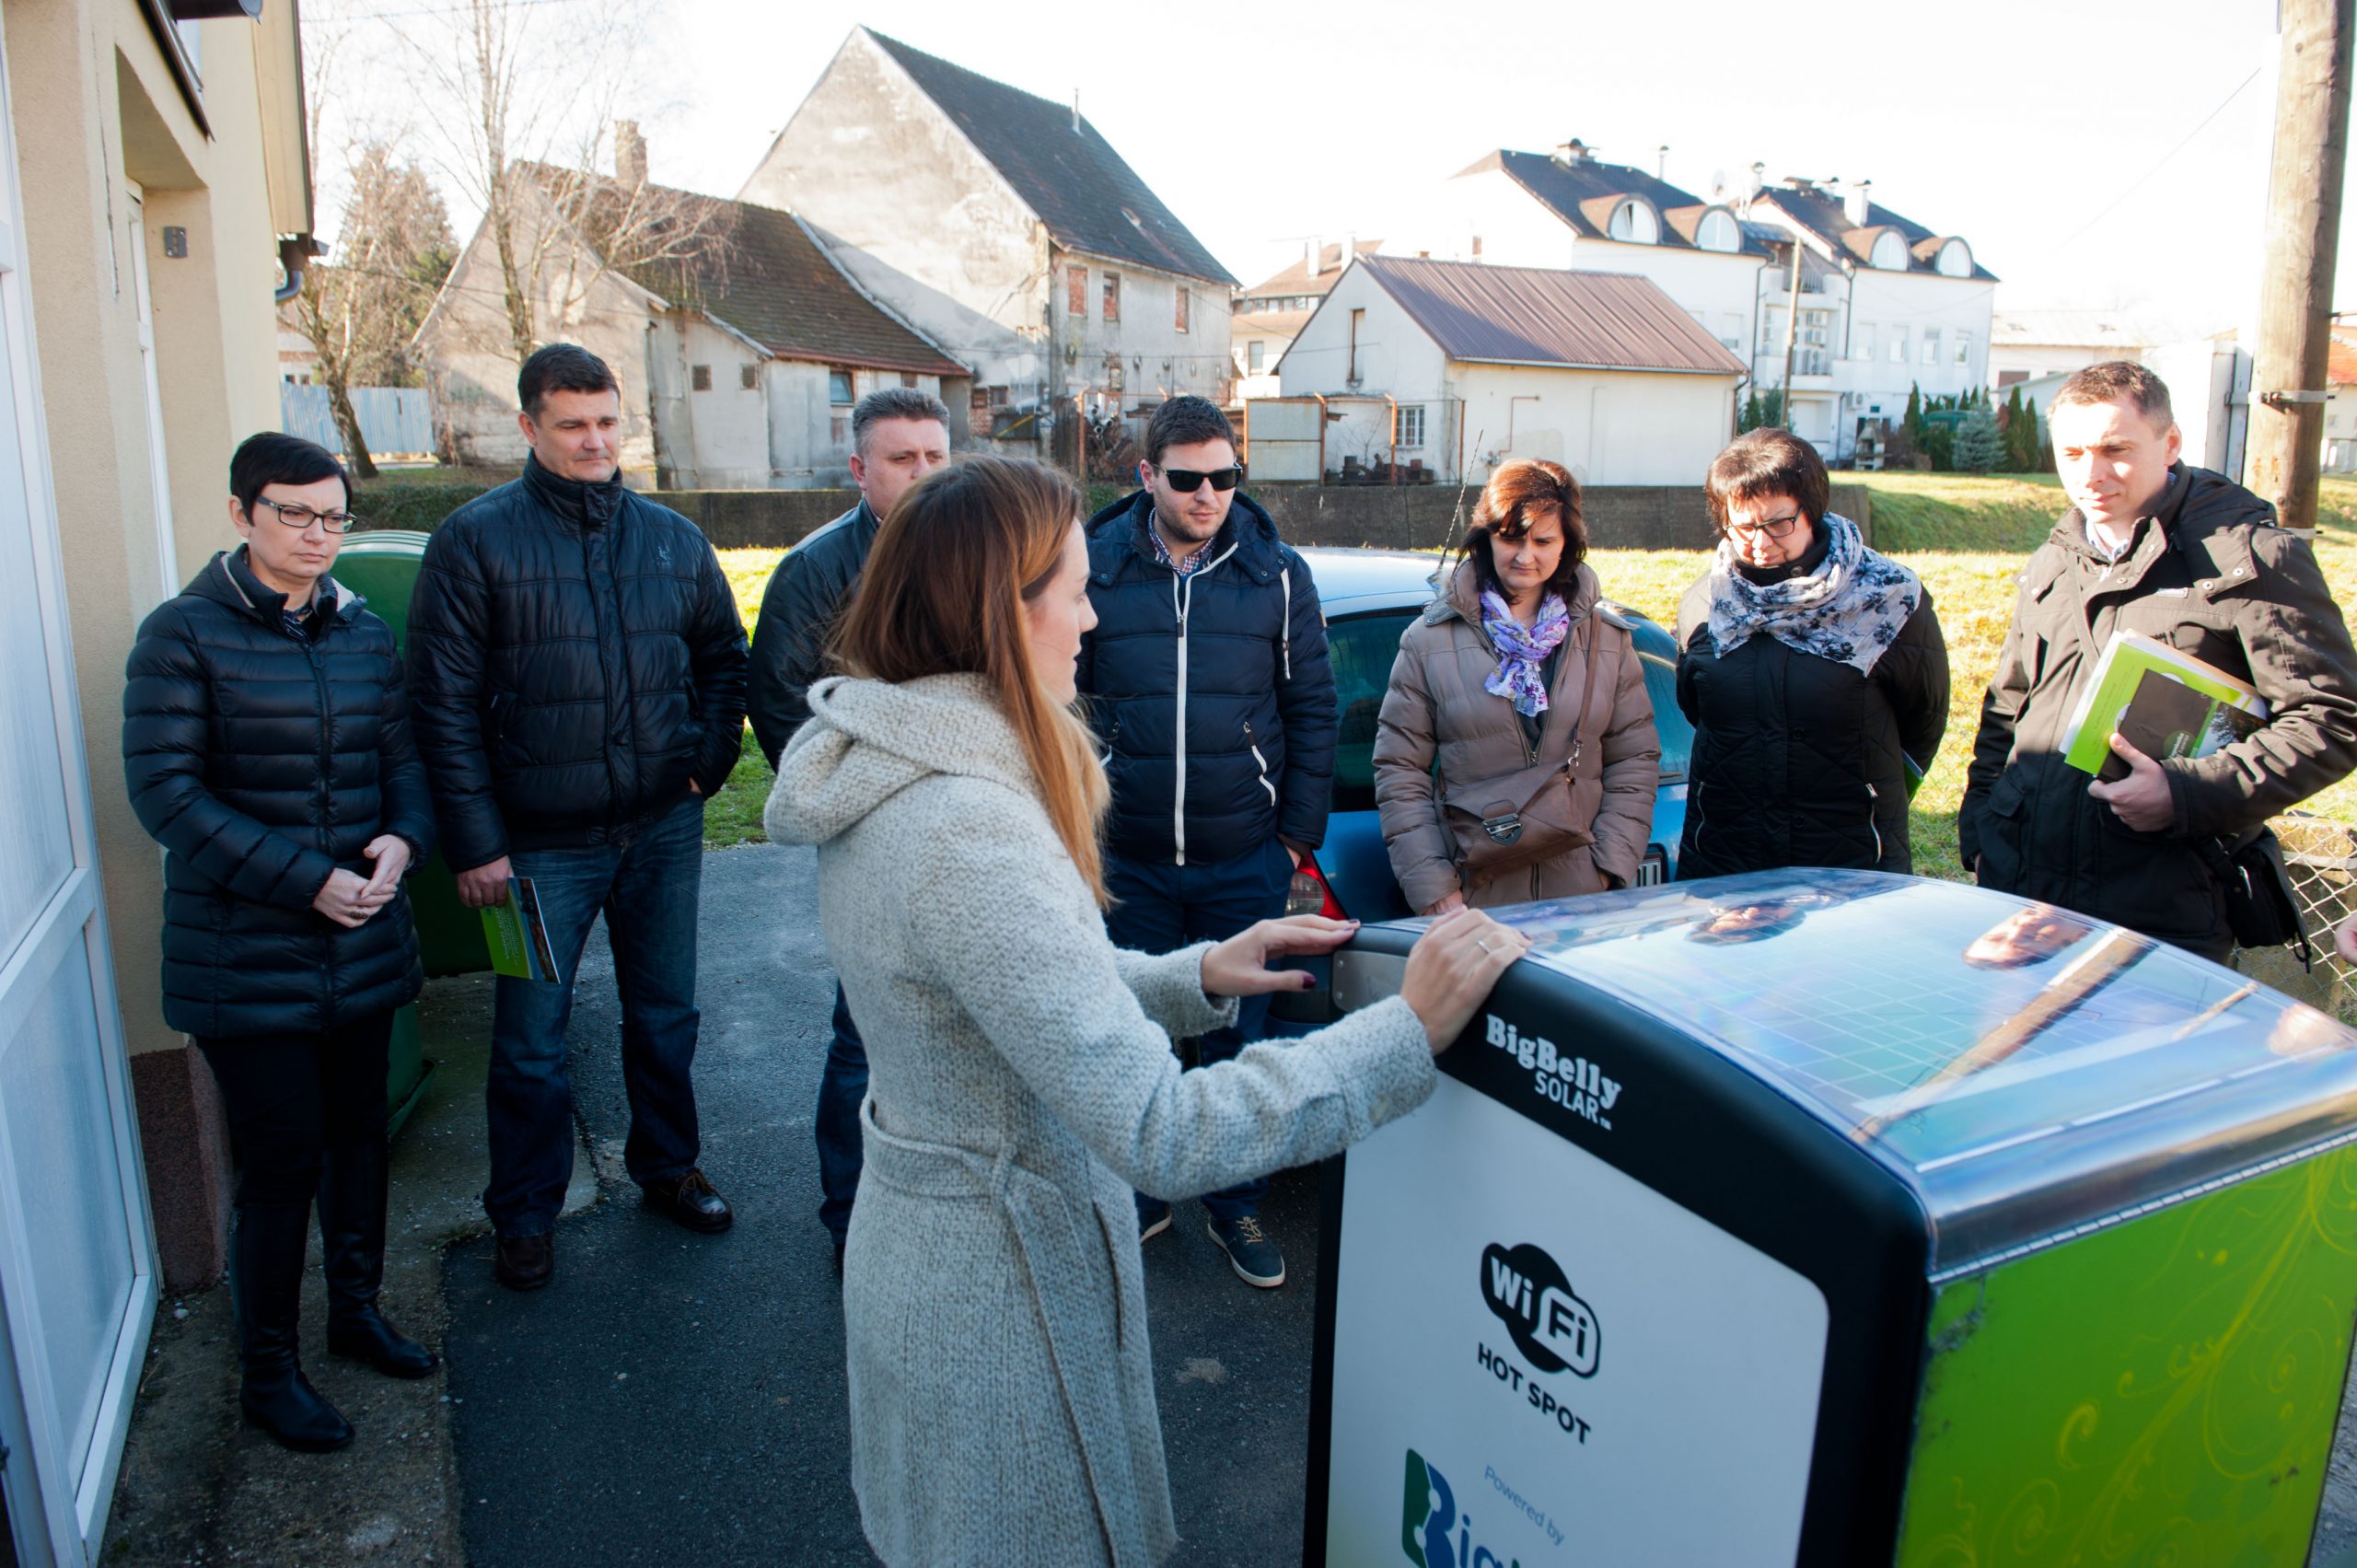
[2162,701]
[517,937]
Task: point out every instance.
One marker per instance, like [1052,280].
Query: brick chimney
[630,155]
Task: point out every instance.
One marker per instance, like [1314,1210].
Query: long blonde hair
[943,593]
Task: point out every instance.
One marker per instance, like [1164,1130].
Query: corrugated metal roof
[1538,315]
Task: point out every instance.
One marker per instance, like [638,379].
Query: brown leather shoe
[691,1201]
[524,1262]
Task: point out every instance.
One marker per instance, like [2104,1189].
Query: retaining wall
[1625,516]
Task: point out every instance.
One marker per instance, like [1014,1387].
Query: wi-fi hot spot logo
[1530,1294]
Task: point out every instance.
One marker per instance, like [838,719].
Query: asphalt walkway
[675,1399]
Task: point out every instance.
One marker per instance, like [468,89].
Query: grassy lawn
[1966,537]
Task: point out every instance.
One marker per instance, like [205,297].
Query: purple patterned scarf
[1523,650]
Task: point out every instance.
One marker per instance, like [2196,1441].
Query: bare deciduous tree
[531,113]
[360,312]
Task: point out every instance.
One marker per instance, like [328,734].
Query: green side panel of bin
[381,567]
[2163,1391]
[406,1073]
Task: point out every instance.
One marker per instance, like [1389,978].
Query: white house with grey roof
[1006,230]
[1898,306]
[1571,209]
[1458,367]
[1882,303]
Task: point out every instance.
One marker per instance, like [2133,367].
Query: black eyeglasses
[1774,527]
[299,518]
[1185,482]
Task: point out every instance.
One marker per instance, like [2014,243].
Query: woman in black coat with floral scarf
[265,739]
[1814,672]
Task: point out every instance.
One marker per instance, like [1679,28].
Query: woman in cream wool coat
[1021,1078]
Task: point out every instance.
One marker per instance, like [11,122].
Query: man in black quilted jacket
[577,670]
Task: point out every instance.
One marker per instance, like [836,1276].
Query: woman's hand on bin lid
[1452,969]
[1240,966]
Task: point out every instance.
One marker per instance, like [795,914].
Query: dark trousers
[1160,908]
[293,1098]
[648,891]
[841,1085]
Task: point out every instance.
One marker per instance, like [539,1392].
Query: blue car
[1370,598]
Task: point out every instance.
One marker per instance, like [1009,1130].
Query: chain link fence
[2322,857]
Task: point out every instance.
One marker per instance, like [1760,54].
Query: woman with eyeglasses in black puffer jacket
[266,743]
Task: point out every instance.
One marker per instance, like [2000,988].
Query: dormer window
[1718,231]
[1634,222]
[1956,260]
[1890,254]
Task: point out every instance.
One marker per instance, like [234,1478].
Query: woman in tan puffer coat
[1495,738]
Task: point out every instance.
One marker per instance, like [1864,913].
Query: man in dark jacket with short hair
[578,673]
[1213,695]
[2193,559]
[897,436]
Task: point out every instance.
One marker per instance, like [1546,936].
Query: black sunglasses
[1185,482]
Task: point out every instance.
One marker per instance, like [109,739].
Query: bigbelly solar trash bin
[1835,1217]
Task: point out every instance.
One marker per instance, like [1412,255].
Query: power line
[2131,188]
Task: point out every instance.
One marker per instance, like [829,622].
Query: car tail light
[1309,893]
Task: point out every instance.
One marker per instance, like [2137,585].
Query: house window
[748,376]
[1408,426]
[1112,297]
[1634,222]
[1718,231]
[1255,355]
[839,388]
[1180,321]
[1930,345]
[1864,347]
[1956,260]
[1358,319]
[1890,254]
[908,378]
[700,378]
[1898,343]
[1077,291]
[1963,347]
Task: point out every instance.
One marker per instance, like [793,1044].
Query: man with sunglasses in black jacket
[1211,693]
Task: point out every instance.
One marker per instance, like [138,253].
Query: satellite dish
[1718,183]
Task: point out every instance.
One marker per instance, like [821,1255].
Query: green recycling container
[381,567]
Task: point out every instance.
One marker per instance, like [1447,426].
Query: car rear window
[1362,648]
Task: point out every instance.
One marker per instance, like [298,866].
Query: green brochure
[2149,691]
[519,937]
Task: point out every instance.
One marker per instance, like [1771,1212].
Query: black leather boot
[352,1233]
[266,1283]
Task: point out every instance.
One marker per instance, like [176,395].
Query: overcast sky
[2094,153]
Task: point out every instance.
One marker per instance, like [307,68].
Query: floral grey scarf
[1850,609]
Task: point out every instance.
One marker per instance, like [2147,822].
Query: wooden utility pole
[2286,435]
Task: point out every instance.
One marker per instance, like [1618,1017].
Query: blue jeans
[1160,908]
[648,891]
[841,1086]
